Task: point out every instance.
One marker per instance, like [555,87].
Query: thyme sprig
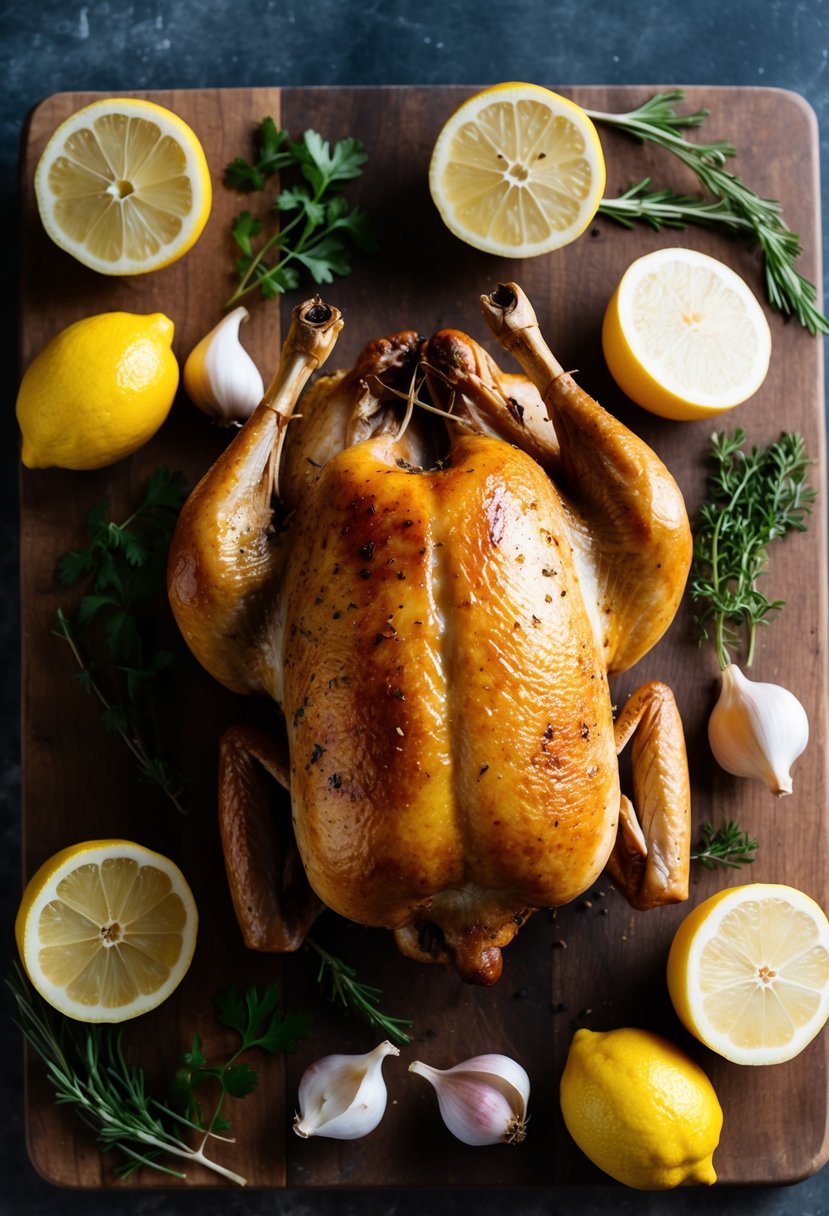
[737,209]
[754,497]
[727,846]
[88,1069]
[123,569]
[339,980]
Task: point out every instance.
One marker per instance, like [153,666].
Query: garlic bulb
[482,1100]
[343,1097]
[757,730]
[220,377]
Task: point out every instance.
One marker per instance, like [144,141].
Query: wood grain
[598,966]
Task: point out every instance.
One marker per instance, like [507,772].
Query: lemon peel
[748,972]
[106,930]
[123,185]
[98,391]
[517,170]
[684,336]
[640,1108]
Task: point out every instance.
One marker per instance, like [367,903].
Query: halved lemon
[517,171]
[106,930]
[748,972]
[123,185]
[684,336]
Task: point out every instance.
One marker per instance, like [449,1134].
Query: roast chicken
[433,572]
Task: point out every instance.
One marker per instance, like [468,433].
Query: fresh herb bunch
[339,980]
[88,1069]
[737,208]
[318,218]
[123,566]
[754,497]
[727,846]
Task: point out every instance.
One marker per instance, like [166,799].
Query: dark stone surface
[57,45]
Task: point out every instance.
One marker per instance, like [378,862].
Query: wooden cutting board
[595,963]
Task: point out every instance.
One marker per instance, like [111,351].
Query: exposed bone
[223,552]
[641,535]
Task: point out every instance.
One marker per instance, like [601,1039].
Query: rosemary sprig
[727,846]
[86,1065]
[339,980]
[753,498]
[738,207]
[123,569]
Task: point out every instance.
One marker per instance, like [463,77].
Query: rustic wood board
[598,966]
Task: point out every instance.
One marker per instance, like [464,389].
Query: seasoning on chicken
[436,611]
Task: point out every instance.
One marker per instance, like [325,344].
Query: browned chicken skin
[437,622]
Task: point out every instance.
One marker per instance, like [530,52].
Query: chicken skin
[436,611]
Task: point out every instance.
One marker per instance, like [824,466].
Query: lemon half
[106,930]
[640,1108]
[748,972]
[517,170]
[684,336]
[123,185]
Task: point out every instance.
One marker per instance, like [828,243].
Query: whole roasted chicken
[433,572]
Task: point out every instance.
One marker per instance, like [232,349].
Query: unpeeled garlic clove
[482,1100]
[757,730]
[343,1097]
[220,377]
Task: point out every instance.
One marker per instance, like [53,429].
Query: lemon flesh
[684,336]
[641,1109]
[123,185]
[748,972]
[517,170]
[98,391]
[106,930]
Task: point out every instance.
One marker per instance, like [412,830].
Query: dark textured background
[57,45]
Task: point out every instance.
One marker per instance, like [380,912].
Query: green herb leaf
[754,498]
[339,980]
[239,1080]
[728,846]
[313,212]
[736,208]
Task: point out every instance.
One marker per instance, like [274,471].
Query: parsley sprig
[89,1071]
[737,208]
[754,497]
[339,980]
[315,218]
[727,846]
[123,568]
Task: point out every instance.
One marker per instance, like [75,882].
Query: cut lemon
[748,972]
[517,171]
[684,336]
[106,930]
[123,185]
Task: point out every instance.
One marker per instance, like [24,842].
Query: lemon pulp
[748,972]
[123,185]
[106,930]
[517,170]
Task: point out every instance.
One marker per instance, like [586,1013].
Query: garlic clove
[482,1100]
[219,375]
[343,1097]
[757,730]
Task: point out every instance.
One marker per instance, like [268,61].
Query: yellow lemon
[684,336]
[640,1108]
[517,171]
[748,972]
[123,185]
[106,930]
[98,391]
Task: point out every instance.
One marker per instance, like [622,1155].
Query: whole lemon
[640,1109]
[98,391]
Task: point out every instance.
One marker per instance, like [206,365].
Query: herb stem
[347,990]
